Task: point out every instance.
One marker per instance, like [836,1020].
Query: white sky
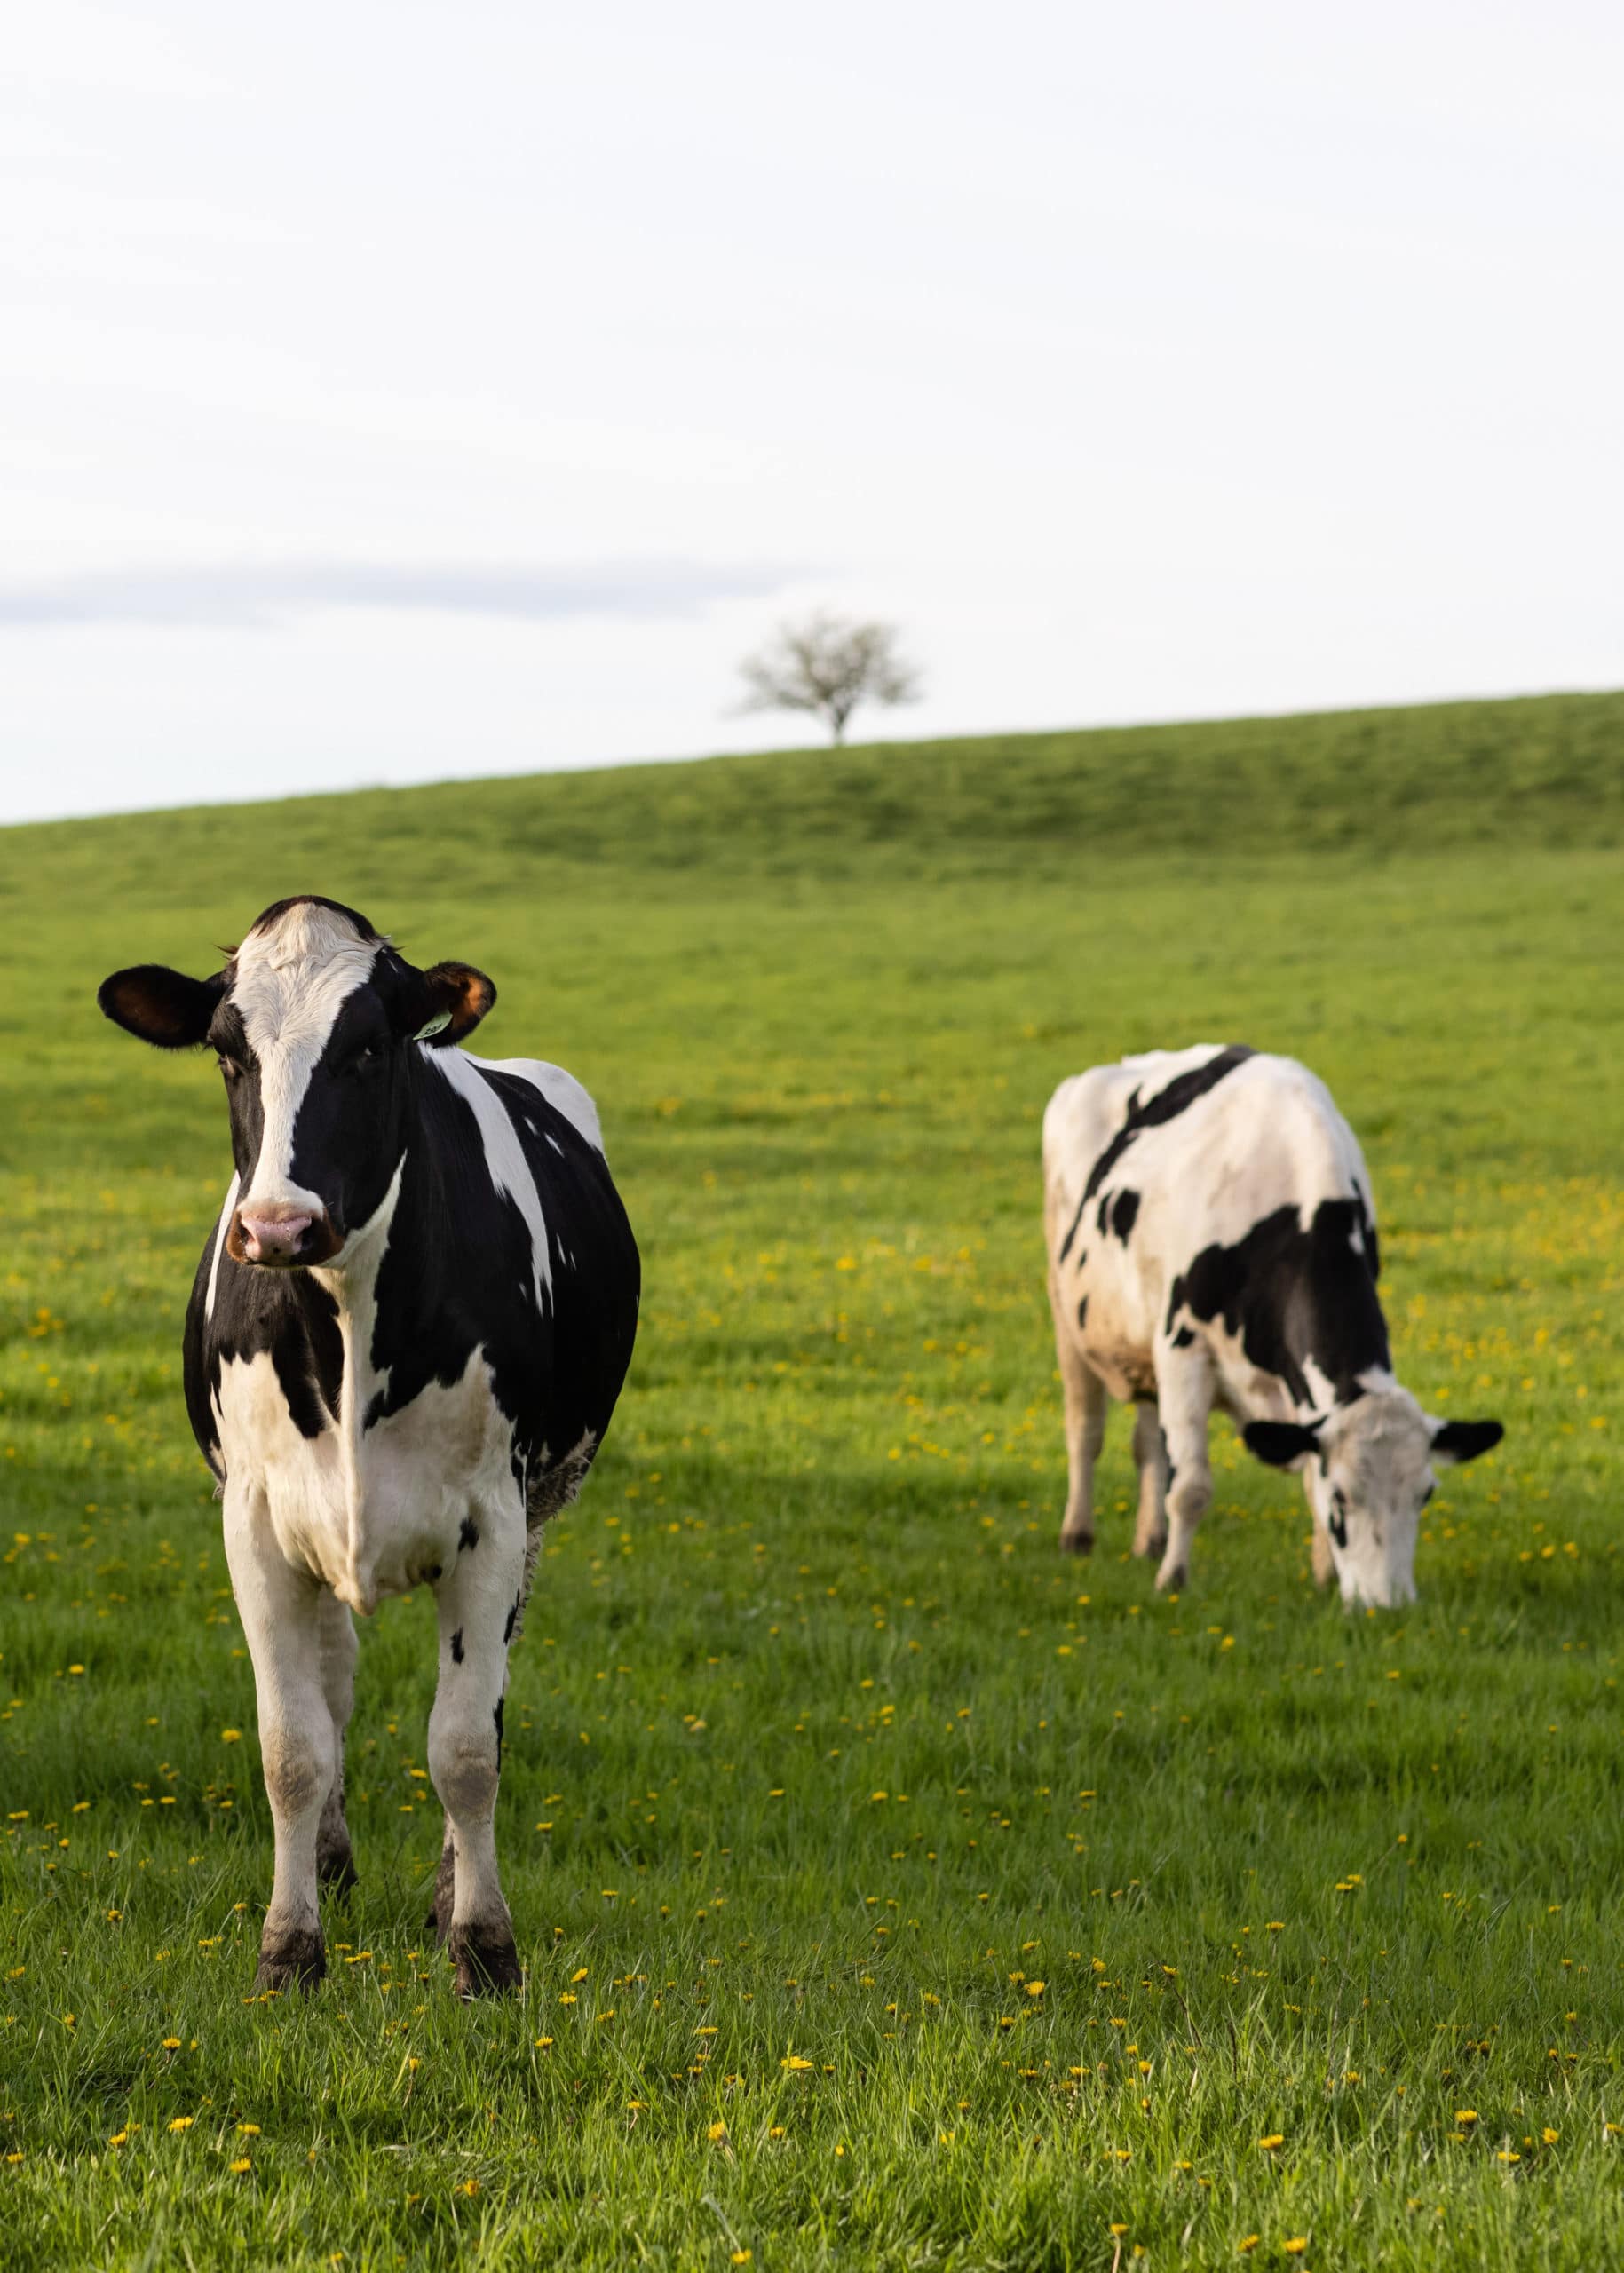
[395,392]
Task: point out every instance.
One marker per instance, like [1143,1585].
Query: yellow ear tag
[434,1026]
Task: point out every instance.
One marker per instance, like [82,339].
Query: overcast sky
[390,393]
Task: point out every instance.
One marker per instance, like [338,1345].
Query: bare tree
[827,665]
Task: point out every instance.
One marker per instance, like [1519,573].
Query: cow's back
[1149,1161]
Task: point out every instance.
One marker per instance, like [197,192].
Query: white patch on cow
[292,980]
[220,1230]
[504,1156]
[563,1092]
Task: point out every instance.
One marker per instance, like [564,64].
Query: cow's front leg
[334,1862]
[479,1598]
[1085,1401]
[279,1607]
[1185,1391]
[1150,1528]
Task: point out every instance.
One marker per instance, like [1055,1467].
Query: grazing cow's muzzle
[283,1238]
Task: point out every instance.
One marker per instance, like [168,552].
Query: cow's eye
[370,1053]
[1338,1524]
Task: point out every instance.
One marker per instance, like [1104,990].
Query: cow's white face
[1368,1471]
[1367,1485]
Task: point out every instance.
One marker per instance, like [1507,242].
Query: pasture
[893,1893]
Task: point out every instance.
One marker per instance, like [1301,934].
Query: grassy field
[892,1893]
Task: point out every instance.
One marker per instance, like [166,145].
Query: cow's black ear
[1453,1441]
[1281,1442]
[449,1002]
[162,1006]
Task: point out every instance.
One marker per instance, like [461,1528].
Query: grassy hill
[1547,771]
[923,1901]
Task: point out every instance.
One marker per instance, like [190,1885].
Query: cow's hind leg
[479,1602]
[1185,1391]
[279,1608]
[334,1862]
[1085,1402]
[1151,1527]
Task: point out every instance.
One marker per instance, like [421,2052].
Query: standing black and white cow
[408,1332]
[1212,1241]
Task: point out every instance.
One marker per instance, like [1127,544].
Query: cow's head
[314,1021]
[1368,1469]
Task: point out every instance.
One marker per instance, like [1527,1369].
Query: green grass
[807,1701]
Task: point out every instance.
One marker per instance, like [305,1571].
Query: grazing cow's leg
[444,1902]
[1086,1401]
[1323,1563]
[479,1605]
[1150,1529]
[281,1623]
[334,1863]
[1185,1391]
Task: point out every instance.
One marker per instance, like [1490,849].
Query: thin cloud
[234,595]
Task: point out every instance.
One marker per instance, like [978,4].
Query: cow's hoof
[1076,1543]
[291,1961]
[336,1871]
[1156,1544]
[1173,1581]
[485,1959]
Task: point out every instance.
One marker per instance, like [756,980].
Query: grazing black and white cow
[1212,1241]
[408,1332]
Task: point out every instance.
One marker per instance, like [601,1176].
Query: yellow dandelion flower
[1549,2136]
[1272,2140]
[717,2130]
[1295,2246]
[1506,2156]
[171,2044]
[248,2130]
[1466,2115]
[181,2122]
[1250,2243]
[775,2131]
[1118,2229]
[231,1736]
[742,2256]
[241,2164]
[1037,1988]
[795,2061]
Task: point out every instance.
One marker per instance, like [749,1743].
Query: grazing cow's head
[1367,1469]
[313,1020]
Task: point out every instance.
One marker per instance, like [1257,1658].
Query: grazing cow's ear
[447,1003]
[1281,1442]
[1453,1441]
[162,1006]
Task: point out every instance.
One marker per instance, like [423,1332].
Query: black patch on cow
[1336,1522]
[1460,1440]
[1292,1295]
[1124,1214]
[1182,1339]
[507,1631]
[468,1534]
[497,1717]
[1282,1442]
[1166,1106]
[456,1647]
[1082,1311]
